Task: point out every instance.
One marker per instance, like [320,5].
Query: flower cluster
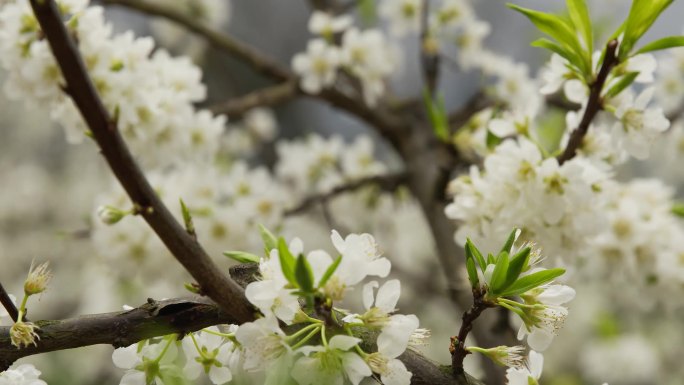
[364,54]
[319,342]
[131,77]
[25,374]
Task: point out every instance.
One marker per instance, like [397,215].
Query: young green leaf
[516,265]
[490,260]
[559,29]
[579,15]
[287,261]
[545,43]
[531,281]
[496,285]
[330,271]
[187,218]
[511,240]
[304,274]
[472,271]
[641,17]
[623,83]
[270,241]
[437,115]
[678,209]
[470,247]
[660,44]
[241,256]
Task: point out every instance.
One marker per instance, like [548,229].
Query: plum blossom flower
[317,67]
[360,258]
[144,365]
[25,374]
[403,15]
[331,364]
[638,126]
[544,316]
[529,374]
[326,25]
[209,353]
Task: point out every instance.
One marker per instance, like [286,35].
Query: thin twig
[594,104]
[8,304]
[79,87]
[265,97]
[428,56]
[388,182]
[457,348]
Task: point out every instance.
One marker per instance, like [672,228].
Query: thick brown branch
[7,303]
[187,251]
[385,182]
[266,97]
[118,329]
[594,104]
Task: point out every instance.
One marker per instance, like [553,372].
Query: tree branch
[187,251]
[458,349]
[388,182]
[8,304]
[429,55]
[594,104]
[389,125]
[265,97]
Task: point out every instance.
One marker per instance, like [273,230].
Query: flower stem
[457,347]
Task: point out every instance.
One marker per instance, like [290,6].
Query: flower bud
[110,215]
[38,279]
[23,334]
[511,356]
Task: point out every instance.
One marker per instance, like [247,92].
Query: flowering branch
[187,251]
[265,97]
[388,182]
[594,104]
[8,304]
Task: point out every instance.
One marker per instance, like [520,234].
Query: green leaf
[270,241]
[187,218]
[624,82]
[678,209]
[660,44]
[330,271]
[304,274]
[242,256]
[492,140]
[579,15]
[571,57]
[437,115]
[641,17]
[470,248]
[560,30]
[531,281]
[499,274]
[516,265]
[472,272]
[367,11]
[508,246]
[287,261]
[490,259]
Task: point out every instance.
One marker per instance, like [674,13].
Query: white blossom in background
[629,359]
[133,81]
[638,125]
[370,57]
[25,374]
[450,16]
[212,13]
[669,81]
[403,16]
[326,25]
[317,67]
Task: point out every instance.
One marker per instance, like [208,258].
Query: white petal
[220,376]
[501,127]
[388,296]
[133,377]
[396,374]
[536,362]
[126,358]
[557,295]
[343,342]
[394,337]
[575,91]
[337,241]
[539,339]
[367,294]
[355,367]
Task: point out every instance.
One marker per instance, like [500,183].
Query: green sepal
[304,274]
[242,257]
[330,271]
[660,44]
[287,261]
[531,281]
